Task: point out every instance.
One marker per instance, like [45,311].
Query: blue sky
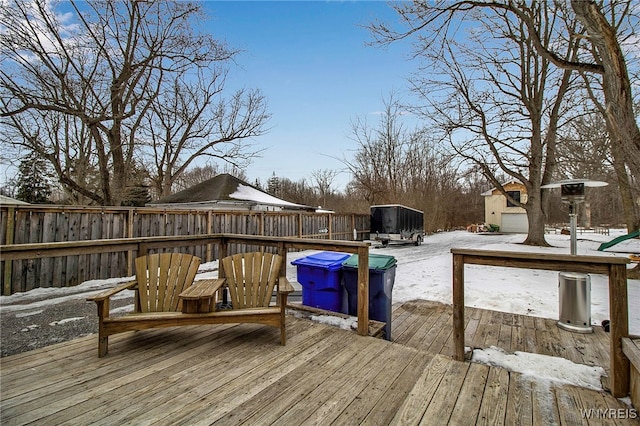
[311,61]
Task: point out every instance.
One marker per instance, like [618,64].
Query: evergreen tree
[34,180]
[273,185]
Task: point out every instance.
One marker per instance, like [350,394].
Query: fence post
[353,226]
[209,229]
[282,251]
[130,216]
[363,291]
[143,249]
[8,264]
[458,307]
[223,252]
[619,314]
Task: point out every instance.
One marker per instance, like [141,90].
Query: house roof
[511,182]
[225,188]
[5,201]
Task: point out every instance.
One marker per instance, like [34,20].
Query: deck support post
[619,328]
[363,291]
[458,307]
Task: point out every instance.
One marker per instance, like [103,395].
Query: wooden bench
[166,295]
[631,348]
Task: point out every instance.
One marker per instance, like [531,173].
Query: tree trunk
[630,210]
[103,165]
[536,218]
[616,84]
[587,215]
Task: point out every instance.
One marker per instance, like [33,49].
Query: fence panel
[45,224]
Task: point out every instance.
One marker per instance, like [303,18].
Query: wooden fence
[47,224]
[222,244]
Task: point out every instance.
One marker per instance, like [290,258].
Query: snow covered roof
[249,193]
[223,191]
[5,201]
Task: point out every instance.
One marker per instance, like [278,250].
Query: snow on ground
[542,367]
[425,272]
[522,291]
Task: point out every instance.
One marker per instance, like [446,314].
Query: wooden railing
[614,267]
[141,246]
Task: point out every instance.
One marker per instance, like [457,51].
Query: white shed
[499,211]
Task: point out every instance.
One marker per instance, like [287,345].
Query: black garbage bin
[320,275]
[382,275]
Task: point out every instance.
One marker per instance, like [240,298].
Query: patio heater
[574,287]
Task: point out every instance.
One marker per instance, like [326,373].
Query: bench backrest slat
[251,278]
[162,277]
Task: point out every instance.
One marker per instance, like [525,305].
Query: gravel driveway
[42,321]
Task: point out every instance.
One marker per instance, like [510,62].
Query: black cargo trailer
[396,223]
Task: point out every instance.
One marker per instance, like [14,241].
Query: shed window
[515,195]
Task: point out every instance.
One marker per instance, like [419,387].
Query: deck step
[631,348]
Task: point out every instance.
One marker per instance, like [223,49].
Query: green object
[376,261]
[619,239]
[382,275]
[494,228]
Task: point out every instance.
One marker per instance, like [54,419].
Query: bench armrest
[202,289]
[129,285]
[284,286]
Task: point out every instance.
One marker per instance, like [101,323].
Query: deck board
[470,396]
[519,410]
[239,374]
[397,392]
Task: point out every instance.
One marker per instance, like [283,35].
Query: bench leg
[103,346]
[103,338]
[283,333]
[283,317]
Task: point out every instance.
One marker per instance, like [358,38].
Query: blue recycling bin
[382,276]
[320,275]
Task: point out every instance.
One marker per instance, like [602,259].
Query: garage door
[515,223]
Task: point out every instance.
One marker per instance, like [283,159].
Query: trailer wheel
[418,240]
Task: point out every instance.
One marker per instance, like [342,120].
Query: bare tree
[377,163]
[324,180]
[606,27]
[584,150]
[601,131]
[192,120]
[609,61]
[297,192]
[96,73]
[491,96]
[394,165]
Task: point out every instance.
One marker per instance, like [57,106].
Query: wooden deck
[239,374]
[427,326]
